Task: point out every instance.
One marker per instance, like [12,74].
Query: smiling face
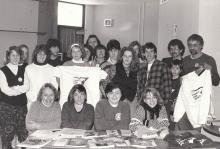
[114,96]
[93,42]
[41,57]
[113,54]
[54,50]
[174,51]
[127,58]
[195,47]
[79,97]
[48,97]
[14,57]
[150,55]
[100,53]
[87,54]
[76,53]
[150,100]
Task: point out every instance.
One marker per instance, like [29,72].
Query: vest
[13,80]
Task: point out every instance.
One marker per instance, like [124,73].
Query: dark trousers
[12,122]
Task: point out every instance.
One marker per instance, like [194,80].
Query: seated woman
[76,113]
[150,113]
[45,113]
[112,114]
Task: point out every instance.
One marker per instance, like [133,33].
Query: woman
[13,101]
[39,73]
[100,55]
[53,47]
[45,113]
[24,55]
[112,114]
[126,76]
[76,113]
[88,53]
[78,54]
[93,41]
[151,113]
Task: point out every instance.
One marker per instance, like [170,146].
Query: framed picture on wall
[108,22]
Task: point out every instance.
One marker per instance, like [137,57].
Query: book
[31,142]
[125,133]
[46,134]
[112,132]
[142,143]
[100,142]
[89,134]
[71,133]
[77,142]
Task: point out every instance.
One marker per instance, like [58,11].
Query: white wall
[183,13]
[21,15]
[209,23]
[132,21]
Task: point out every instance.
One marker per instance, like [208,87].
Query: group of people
[137,91]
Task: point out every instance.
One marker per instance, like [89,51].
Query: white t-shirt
[38,75]
[88,76]
[194,98]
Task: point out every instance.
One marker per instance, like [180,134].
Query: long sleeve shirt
[83,119]
[112,118]
[46,117]
[15,90]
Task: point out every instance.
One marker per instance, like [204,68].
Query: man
[197,60]
[113,47]
[155,74]
[176,49]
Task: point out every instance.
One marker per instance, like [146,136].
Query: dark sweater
[105,116]
[13,80]
[128,84]
[77,120]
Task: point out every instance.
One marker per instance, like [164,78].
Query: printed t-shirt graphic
[194,98]
[87,76]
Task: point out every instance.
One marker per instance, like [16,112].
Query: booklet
[89,134]
[71,133]
[100,143]
[142,143]
[31,142]
[46,134]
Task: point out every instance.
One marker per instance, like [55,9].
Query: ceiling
[103,2]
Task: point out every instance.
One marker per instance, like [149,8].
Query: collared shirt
[159,78]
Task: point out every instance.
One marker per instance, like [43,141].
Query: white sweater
[194,98]
[38,75]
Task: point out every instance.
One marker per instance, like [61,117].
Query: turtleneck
[13,68]
[79,61]
[40,64]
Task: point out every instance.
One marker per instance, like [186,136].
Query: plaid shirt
[159,78]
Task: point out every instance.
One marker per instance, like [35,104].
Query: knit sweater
[83,119]
[38,75]
[112,118]
[47,117]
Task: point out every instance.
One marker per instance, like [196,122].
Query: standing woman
[45,113]
[77,53]
[39,73]
[76,113]
[93,41]
[126,76]
[24,55]
[13,101]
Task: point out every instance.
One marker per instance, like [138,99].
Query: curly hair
[50,86]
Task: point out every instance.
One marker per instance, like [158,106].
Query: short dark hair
[50,86]
[149,45]
[26,47]
[9,51]
[38,49]
[77,87]
[177,42]
[196,37]
[110,87]
[100,46]
[177,63]
[113,44]
[53,42]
